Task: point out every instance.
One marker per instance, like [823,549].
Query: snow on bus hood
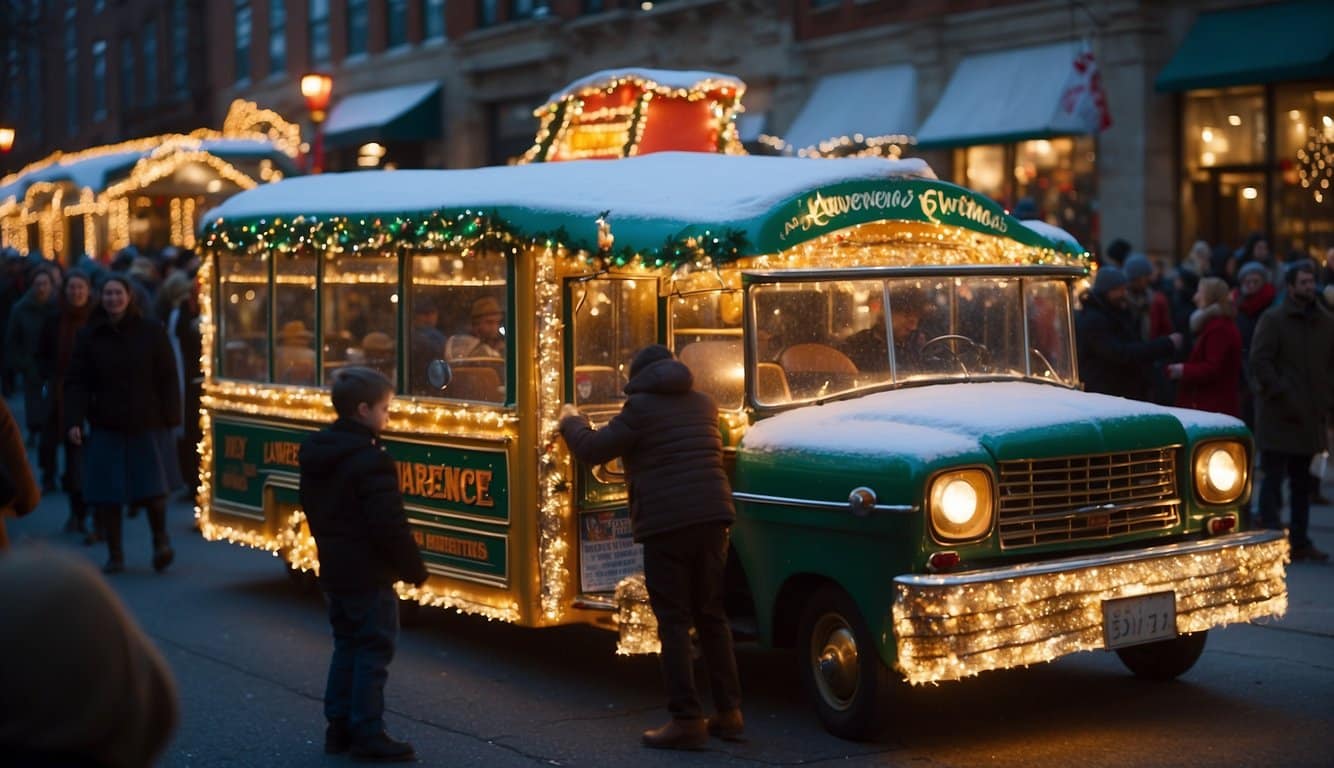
[1008,419]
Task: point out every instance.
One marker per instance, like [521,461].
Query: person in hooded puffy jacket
[681,511]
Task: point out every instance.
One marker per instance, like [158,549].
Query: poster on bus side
[607,551]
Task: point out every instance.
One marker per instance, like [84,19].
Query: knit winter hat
[1108,279]
[1253,267]
[1137,266]
[650,354]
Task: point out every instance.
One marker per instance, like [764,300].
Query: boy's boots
[111,528]
[380,748]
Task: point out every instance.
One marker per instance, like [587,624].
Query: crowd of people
[1238,332]
[107,360]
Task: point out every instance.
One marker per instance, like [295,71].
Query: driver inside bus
[869,348]
[487,336]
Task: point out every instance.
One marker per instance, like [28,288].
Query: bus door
[610,319]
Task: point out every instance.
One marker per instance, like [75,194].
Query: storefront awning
[1258,44]
[881,101]
[402,113]
[1004,96]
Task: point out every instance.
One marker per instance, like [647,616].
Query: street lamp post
[316,87]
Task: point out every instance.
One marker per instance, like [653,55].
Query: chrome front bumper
[955,625]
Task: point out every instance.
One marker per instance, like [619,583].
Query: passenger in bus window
[487,336]
[428,344]
[294,356]
[378,348]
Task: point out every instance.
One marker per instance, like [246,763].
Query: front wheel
[1165,659]
[840,667]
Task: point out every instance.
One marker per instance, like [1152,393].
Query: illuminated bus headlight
[961,505]
[1220,472]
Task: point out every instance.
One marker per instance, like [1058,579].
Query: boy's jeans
[365,629]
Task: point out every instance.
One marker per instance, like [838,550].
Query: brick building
[1199,145]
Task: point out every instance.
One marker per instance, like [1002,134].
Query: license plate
[1140,619]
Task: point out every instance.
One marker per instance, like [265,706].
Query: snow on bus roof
[746,203]
[1050,231]
[685,186]
[665,78]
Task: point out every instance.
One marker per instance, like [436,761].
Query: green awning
[1254,45]
[401,113]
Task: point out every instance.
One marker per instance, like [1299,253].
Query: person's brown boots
[728,726]
[679,734]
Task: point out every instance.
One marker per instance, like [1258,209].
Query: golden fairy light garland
[635,619]
[553,460]
[947,632]
[164,154]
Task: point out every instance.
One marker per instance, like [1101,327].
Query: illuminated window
[458,312]
[613,319]
[294,318]
[360,297]
[243,330]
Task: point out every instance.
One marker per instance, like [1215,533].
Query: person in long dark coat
[1113,359]
[681,511]
[53,358]
[21,343]
[1292,360]
[122,383]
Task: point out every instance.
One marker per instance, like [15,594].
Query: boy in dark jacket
[349,492]
[680,510]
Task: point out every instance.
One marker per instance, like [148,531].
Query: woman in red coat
[1209,379]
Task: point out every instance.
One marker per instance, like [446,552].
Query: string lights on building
[54,203]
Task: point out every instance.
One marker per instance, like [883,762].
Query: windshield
[818,338]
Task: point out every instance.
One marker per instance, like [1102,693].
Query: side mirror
[439,374]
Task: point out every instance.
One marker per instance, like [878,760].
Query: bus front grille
[1087,498]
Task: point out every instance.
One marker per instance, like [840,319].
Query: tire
[1165,659]
[840,666]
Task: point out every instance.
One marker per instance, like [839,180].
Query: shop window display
[1054,180]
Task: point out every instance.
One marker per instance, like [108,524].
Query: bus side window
[613,319]
[243,295]
[294,321]
[361,312]
[457,311]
